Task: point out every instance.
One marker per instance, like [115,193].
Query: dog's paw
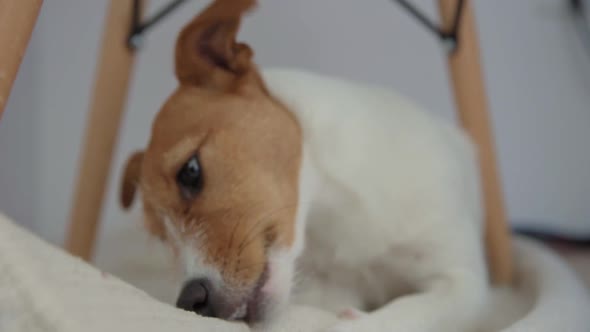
[350,318]
[351,314]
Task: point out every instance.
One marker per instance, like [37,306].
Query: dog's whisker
[248,237]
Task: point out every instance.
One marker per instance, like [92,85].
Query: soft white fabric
[43,289]
[547,297]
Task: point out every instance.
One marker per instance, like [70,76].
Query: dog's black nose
[194,296]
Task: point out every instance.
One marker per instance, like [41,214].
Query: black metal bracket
[447,37]
[579,9]
[578,5]
[139,28]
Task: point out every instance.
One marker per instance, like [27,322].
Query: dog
[251,176]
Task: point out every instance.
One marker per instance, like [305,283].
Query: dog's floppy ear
[130,178]
[207,53]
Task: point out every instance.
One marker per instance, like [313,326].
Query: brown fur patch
[130,178]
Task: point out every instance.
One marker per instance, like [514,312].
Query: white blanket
[43,289]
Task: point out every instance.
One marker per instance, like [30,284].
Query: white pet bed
[43,289]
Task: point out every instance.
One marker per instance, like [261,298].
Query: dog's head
[219,177]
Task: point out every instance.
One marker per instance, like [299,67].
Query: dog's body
[393,205]
[247,172]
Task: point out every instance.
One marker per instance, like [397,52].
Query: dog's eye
[190,178]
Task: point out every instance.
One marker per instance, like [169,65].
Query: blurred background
[536,65]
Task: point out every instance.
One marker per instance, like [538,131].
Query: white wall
[537,74]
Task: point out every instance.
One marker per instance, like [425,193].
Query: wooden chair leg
[108,101]
[17,20]
[470,97]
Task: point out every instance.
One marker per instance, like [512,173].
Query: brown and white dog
[248,173]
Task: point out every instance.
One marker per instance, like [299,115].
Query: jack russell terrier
[251,175]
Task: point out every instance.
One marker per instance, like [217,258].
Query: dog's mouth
[254,307]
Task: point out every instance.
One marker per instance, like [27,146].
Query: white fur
[395,208]
[193,261]
[281,261]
